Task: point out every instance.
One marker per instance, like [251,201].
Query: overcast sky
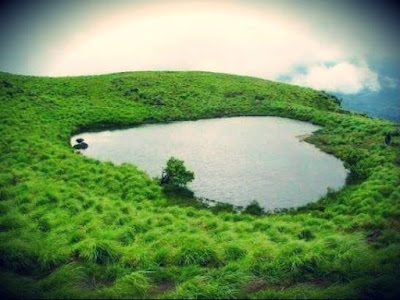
[338,46]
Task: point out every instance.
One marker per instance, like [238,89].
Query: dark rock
[259,98]
[165,177]
[81,146]
[388,139]
[372,236]
[80,140]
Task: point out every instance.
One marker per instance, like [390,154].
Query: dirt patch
[256,285]
[162,287]
[321,282]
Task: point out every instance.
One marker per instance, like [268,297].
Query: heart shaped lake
[235,160]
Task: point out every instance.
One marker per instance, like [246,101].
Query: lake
[235,160]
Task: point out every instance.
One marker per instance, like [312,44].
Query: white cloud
[389,82]
[344,77]
[213,36]
[221,37]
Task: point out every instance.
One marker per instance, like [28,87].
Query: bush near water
[75,227]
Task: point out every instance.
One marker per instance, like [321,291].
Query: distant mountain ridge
[383,104]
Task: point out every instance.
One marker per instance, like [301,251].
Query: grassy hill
[74,227]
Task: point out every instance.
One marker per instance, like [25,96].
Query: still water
[234,160]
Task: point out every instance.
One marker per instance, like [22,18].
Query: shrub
[92,251]
[254,208]
[134,285]
[197,254]
[176,173]
[306,234]
[223,207]
[10,222]
[234,252]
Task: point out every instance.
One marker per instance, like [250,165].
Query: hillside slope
[74,227]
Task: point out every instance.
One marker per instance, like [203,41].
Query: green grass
[74,227]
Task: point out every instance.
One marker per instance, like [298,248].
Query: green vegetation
[254,208]
[176,173]
[74,227]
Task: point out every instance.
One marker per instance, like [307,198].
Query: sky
[348,47]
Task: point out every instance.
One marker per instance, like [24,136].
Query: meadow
[75,227]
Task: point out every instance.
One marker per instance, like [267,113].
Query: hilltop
[74,227]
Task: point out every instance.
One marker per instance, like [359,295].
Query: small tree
[176,173]
[254,208]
